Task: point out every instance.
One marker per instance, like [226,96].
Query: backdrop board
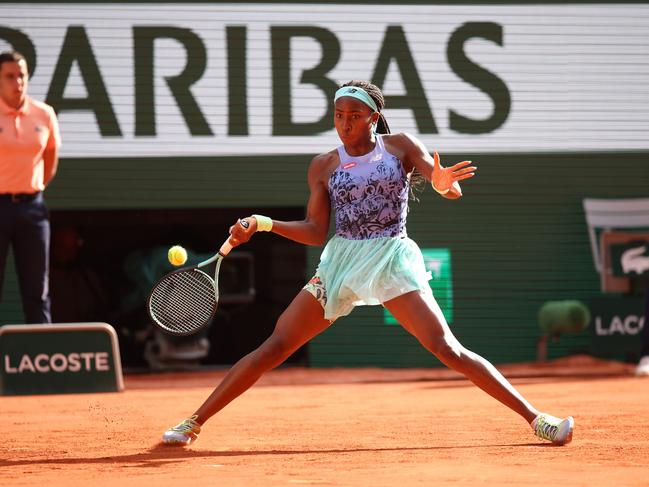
[616,327]
[59,358]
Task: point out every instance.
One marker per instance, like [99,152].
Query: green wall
[517,238]
[501,83]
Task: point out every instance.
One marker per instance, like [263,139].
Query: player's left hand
[444,177]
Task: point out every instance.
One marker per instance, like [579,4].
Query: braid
[382,126]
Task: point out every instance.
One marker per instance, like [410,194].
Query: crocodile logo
[633,261]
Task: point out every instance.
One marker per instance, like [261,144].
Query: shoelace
[546,430]
[189,424]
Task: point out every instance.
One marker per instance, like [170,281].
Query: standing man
[29,144]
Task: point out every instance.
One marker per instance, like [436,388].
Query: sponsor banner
[438,263]
[61,358]
[616,327]
[236,79]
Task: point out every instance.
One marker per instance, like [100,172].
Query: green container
[568,316]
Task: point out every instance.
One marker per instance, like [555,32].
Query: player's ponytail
[382,126]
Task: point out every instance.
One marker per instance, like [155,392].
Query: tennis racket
[184,301]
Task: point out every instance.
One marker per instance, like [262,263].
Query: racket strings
[183,301]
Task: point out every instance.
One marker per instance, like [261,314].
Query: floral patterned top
[369,194]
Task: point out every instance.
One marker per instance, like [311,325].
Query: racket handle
[227,246]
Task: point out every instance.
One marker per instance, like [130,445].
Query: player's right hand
[242,230]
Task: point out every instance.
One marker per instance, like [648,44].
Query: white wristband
[264,224]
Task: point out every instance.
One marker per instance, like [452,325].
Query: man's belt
[19,197]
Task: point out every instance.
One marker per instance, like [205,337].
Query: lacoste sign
[621,325]
[58,362]
[617,325]
[59,358]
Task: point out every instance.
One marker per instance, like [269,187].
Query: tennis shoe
[643,367]
[183,433]
[556,430]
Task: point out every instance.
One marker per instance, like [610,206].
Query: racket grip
[225,248]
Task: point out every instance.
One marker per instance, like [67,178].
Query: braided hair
[417,181]
[374,91]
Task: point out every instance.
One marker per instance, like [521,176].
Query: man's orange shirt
[24,135]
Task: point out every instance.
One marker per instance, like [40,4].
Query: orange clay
[351,427]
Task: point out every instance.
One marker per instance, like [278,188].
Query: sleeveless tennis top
[369,194]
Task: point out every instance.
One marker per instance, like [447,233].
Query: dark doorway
[104,261]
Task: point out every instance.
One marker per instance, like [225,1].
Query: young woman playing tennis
[370,260]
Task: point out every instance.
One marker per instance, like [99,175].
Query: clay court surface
[364,427]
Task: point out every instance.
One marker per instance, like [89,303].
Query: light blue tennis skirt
[369,272]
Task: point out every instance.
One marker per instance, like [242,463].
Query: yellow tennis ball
[177,255]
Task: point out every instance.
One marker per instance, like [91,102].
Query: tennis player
[369,261]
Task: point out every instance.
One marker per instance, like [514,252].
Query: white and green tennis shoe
[183,433]
[556,430]
[643,367]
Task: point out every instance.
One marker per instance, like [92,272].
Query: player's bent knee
[447,350]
